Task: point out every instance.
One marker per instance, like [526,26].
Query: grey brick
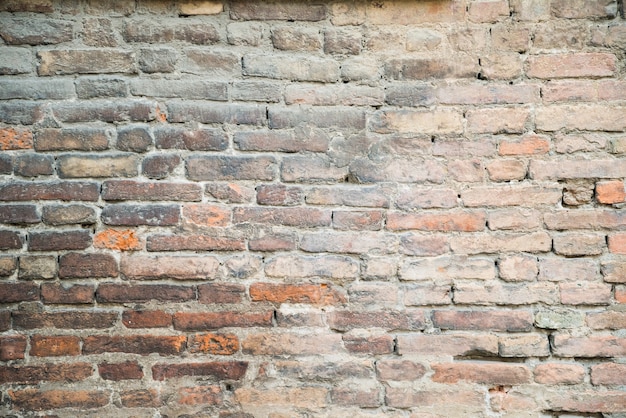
[291,68]
[336,117]
[215,63]
[212,168]
[20,112]
[89,88]
[245,33]
[257,91]
[245,10]
[33,165]
[16,61]
[173,137]
[104,110]
[39,32]
[409,94]
[36,89]
[186,89]
[215,113]
[161,60]
[195,31]
[134,138]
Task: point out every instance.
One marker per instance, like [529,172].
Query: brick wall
[328,209]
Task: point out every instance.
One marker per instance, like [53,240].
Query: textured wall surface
[323,209]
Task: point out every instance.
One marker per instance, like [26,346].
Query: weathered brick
[256,91]
[322,294]
[606,320]
[160,166]
[311,169]
[221,370]
[68,215]
[136,344]
[193,243]
[283,141]
[217,63]
[78,265]
[140,267]
[133,215]
[36,89]
[582,9]
[579,244]
[55,241]
[303,217]
[504,321]
[17,61]
[423,245]
[296,38]
[33,165]
[190,30]
[571,65]
[343,95]
[155,60]
[514,195]
[169,137]
[207,90]
[230,168]
[591,346]
[64,319]
[395,12]
[105,110]
[20,112]
[116,293]
[55,293]
[451,221]
[10,240]
[514,219]
[47,31]
[427,294]
[190,8]
[8,265]
[488,11]
[570,270]
[608,374]
[15,139]
[292,343]
[585,219]
[73,139]
[329,266]
[510,242]
[497,120]
[485,373]
[387,320]
[19,214]
[349,242]
[120,371]
[49,346]
[558,318]
[559,373]
[141,398]
[447,344]
[285,67]
[399,370]
[73,166]
[230,192]
[120,240]
[38,400]
[416,170]
[200,395]
[95,87]
[342,41]
[12,347]
[87,61]
[37,267]
[585,293]
[133,190]
[584,117]
[146,319]
[617,243]
[424,122]
[460,66]
[202,321]
[489,293]
[134,138]
[529,345]
[613,271]
[242,10]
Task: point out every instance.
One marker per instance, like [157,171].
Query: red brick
[15,139]
[64,319]
[368,343]
[193,243]
[140,267]
[279,195]
[274,242]
[200,395]
[388,320]
[559,374]
[452,221]
[121,293]
[18,292]
[203,215]
[321,294]
[5,320]
[12,347]
[55,241]
[591,346]
[37,400]
[146,319]
[82,266]
[504,321]
[221,293]
[64,372]
[617,243]
[571,65]
[231,370]
[200,321]
[357,220]
[218,344]
[610,192]
[135,344]
[10,240]
[48,346]
[490,373]
[141,398]
[133,190]
[608,374]
[120,371]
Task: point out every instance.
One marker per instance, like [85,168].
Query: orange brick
[223,344]
[617,243]
[610,192]
[529,145]
[15,138]
[125,240]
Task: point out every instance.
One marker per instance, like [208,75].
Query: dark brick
[134,138]
[36,89]
[54,346]
[344,118]
[230,192]
[36,267]
[8,265]
[19,214]
[24,191]
[427,68]
[193,243]
[515,321]
[186,89]
[221,293]
[157,60]
[190,111]
[135,344]
[256,91]
[231,370]
[133,215]
[133,190]
[46,31]
[371,345]
[38,6]
[116,293]
[95,61]
[18,292]
[388,320]
[244,10]
[202,321]
[55,293]
[12,347]
[279,195]
[194,140]
[302,217]
[63,372]
[73,139]
[120,371]
[201,168]
[77,265]
[69,215]
[160,166]
[191,30]
[38,400]
[55,241]
[5,322]
[64,320]
[104,110]
[90,88]
[33,165]
[10,240]
[21,112]
[409,94]
[6,164]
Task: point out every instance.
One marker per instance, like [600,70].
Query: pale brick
[583,117]
[346,95]
[571,65]
[559,374]
[532,345]
[511,242]
[568,270]
[16,61]
[515,268]
[489,293]
[446,268]
[424,122]
[506,170]
[290,68]
[585,293]
[558,318]
[517,219]
[430,11]
[201,8]
[497,120]
[74,166]
[296,38]
[579,244]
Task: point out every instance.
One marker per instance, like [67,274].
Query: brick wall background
[325,209]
